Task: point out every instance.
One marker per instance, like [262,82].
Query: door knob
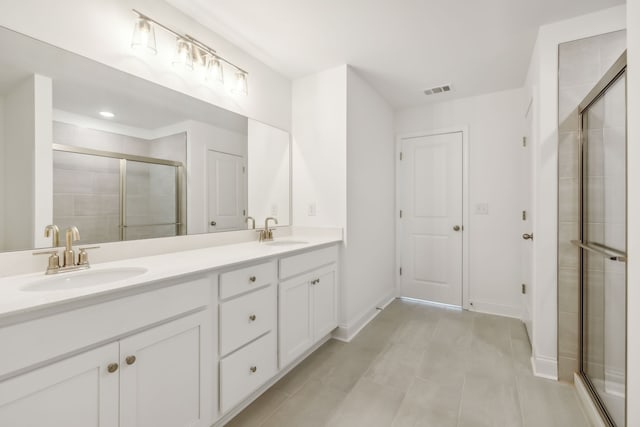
[456,228]
[527,236]
[213,223]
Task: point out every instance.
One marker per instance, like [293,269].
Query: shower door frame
[181,226]
[617,71]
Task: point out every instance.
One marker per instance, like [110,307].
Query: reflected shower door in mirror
[50,96]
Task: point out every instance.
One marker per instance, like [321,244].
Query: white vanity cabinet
[159,374]
[307,301]
[247,331]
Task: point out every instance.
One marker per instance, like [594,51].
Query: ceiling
[401,47]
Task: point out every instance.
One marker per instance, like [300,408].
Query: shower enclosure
[114,196]
[603,243]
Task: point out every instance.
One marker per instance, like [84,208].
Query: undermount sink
[286,242]
[81,279]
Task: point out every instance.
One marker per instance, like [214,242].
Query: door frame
[464,130]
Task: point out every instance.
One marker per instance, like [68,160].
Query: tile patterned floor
[419,365]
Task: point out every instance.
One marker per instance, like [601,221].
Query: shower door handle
[527,236]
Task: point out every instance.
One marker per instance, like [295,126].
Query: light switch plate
[312,209]
[482,209]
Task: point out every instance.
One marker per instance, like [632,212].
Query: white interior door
[431,194]
[226,184]
[526,246]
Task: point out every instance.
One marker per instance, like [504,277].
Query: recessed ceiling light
[107,114]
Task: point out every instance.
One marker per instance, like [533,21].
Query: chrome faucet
[253,222]
[69,256]
[267,234]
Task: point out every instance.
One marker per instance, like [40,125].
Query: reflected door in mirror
[227,198]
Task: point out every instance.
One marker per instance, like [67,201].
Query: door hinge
[524,288]
[401,271]
[524,215]
[244,212]
[400,213]
[401,155]
[524,141]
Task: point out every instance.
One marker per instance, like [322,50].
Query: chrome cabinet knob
[130,360]
[456,228]
[213,223]
[252,318]
[252,279]
[253,369]
[112,367]
[527,236]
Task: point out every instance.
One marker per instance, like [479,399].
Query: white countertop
[15,301]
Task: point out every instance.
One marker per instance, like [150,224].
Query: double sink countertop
[28,295]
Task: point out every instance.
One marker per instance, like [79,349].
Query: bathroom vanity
[182,339]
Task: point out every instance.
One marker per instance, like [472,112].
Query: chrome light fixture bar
[190,52]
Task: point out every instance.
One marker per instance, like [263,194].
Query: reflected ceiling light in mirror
[144,36]
[241,85]
[190,53]
[107,114]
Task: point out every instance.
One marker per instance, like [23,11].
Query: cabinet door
[162,386]
[295,330]
[325,312]
[75,392]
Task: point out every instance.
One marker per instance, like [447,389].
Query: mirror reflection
[122,158]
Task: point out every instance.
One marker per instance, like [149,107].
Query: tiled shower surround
[581,65]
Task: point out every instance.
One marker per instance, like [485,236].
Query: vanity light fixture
[190,53]
[107,114]
[144,37]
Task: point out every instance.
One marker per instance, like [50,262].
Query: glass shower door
[603,243]
[150,205]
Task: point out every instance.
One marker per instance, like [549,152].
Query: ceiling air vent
[438,89]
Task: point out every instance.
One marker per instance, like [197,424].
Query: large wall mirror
[122,158]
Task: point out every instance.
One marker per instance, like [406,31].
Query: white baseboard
[346,333]
[544,367]
[497,309]
[589,408]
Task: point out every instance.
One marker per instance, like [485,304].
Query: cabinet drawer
[246,279]
[246,318]
[246,370]
[298,264]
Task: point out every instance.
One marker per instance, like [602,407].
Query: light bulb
[144,37]
[183,56]
[214,71]
[241,85]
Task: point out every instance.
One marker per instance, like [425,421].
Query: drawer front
[302,263]
[245,371]
[246,279]
[246,318]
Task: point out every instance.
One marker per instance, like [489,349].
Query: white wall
[101,30]
[633,212]
[543,75]
[268,177]
[319,149]
[369,257]
[495,122]
[2,173]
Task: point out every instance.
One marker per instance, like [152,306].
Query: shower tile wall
[581,65]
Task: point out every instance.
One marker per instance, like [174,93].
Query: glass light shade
[144,36]
[213,70]
[241,84]
[183,56]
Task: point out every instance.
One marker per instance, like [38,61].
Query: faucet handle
[83,257]
[54,260]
